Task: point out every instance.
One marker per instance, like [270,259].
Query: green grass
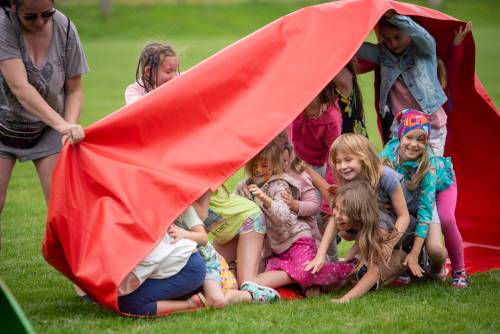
[112,44]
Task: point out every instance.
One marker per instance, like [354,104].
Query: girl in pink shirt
[337,109]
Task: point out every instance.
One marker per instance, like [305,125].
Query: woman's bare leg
[45,167]
[6,167]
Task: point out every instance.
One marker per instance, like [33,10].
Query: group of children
[321,180]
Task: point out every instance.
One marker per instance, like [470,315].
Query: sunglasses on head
[45,15]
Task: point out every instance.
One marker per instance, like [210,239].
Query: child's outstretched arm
[426,44]
[363,286]
[455,53]
[318,181]
[426,202]
[330,233]
[402,216]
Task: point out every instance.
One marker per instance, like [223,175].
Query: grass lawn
[112,45]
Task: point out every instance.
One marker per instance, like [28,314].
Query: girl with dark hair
[157,65]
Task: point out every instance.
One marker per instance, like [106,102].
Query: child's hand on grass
[412,262]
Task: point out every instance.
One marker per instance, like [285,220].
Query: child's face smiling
[347,166]
[395,40]
[412,145]
[262,170]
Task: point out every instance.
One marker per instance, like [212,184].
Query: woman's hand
[412,262]
[461,33]
[73,133]
[176,233]
[315,264]
[291,202]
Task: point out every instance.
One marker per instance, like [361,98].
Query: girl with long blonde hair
[378,243]
[352,158]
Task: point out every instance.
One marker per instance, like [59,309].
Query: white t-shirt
[134,92]
[165,260]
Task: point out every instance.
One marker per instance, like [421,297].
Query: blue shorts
[142,302]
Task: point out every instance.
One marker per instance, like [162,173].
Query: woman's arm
[14,72]
[74,99]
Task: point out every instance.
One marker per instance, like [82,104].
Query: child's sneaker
[459,280]
[259,293]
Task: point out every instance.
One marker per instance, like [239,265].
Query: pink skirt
[295,258]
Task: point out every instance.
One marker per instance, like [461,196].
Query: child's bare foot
[198,301]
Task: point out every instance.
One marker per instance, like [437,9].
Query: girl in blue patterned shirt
[425,175]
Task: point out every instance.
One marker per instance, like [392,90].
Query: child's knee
[436,251]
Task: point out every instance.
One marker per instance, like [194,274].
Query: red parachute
[115,194]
